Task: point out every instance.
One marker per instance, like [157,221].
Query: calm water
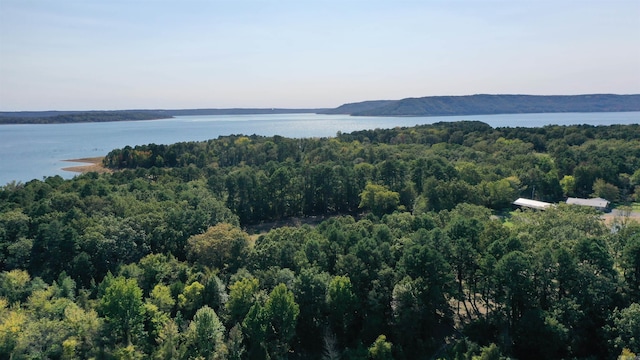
[35,151]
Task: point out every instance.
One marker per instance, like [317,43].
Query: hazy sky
[117,54]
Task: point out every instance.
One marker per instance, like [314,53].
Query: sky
[166,54]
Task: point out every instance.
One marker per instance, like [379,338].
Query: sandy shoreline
[93,164]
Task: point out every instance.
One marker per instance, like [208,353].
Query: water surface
[35,151]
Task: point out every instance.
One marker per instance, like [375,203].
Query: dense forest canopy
[411,249]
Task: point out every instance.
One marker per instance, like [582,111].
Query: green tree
[281,314]
[235,346]
[310,289]
[278,248]
[381,349]
[128,352]
[14,285]
[501,193]
[491,352]
[84,327]
[283,193]
[222,246]
[603,189]
[161,297]
[254,327]
[568,184]
[160,268]
[205,335]
[515,278]
[14,231]
[123,309]
[631,265]
[627,354]
[242,296]
[214,293]
[270,326]
[191,298]
[626,327]
[342,305]
[379,199]
[169,342]
[12,324]
[14,224]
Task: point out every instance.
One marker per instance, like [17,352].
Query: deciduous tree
[123,310]
[222,246]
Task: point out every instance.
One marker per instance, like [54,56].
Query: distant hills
[355,108]
[424,106]
[491,104]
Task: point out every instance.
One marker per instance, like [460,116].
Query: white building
[532,204]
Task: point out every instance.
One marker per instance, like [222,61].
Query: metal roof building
[532,204]
[598,203]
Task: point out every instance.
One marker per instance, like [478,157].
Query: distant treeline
[76,117]
[60,117]
[491,104]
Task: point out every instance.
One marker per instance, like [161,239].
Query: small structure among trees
[596,203]
[532,204]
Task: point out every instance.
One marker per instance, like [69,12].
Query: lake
[35,151]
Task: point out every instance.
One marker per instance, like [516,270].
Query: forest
[378,244]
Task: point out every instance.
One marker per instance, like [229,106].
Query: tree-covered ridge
[157,260]
[492,104]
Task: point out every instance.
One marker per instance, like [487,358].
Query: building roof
[596,203]
[534,204]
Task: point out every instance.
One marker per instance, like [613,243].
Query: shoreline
[93,164]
